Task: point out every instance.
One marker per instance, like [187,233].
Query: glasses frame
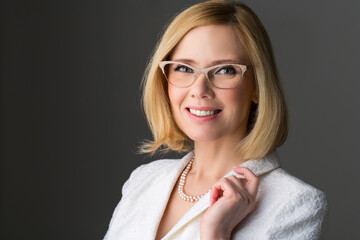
[197,71]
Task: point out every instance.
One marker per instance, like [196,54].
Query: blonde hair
[268,121]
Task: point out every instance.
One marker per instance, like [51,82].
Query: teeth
[202,113]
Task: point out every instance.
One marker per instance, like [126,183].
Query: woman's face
[204,47]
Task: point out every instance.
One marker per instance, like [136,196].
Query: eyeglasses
[223,76]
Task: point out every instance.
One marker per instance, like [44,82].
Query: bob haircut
[268,120]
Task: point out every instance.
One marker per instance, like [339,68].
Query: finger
[215,194]
[238,187]
[238,182]
[219,188]
[252,180]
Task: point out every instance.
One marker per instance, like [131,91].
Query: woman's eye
[229,70]
[182,68]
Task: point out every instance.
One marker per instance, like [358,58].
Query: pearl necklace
[182,183]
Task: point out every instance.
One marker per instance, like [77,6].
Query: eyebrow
[216,62]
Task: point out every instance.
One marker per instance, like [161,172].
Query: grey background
[71,117]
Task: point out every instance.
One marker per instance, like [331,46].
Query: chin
[201,137]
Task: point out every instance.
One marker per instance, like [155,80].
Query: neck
[213,159]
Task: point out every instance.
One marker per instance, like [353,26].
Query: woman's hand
[231,200]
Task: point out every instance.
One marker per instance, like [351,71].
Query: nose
[202,87]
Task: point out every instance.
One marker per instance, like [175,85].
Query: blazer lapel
[193,212]
[158,197]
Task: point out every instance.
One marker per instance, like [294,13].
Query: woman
[212,86]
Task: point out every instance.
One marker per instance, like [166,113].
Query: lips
[203,112]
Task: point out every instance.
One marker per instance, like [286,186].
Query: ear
[255,97]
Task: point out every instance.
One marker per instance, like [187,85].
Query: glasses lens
[221,76]
[178,74]
[225,76]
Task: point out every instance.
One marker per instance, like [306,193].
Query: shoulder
[148,173]
[277,185]
[155,165]
[297,207]
[289,186]
[152,168]
[287,207]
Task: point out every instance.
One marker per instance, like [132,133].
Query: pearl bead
[182,183]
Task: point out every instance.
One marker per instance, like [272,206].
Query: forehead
[205,45]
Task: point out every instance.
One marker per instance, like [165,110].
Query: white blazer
[286,207]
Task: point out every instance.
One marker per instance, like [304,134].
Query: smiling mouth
[201,113]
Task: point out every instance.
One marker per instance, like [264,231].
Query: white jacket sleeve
[124,193]
[300,217]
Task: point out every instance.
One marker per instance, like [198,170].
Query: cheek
[171,93]
[176,96]
[240,96]
[240,99]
